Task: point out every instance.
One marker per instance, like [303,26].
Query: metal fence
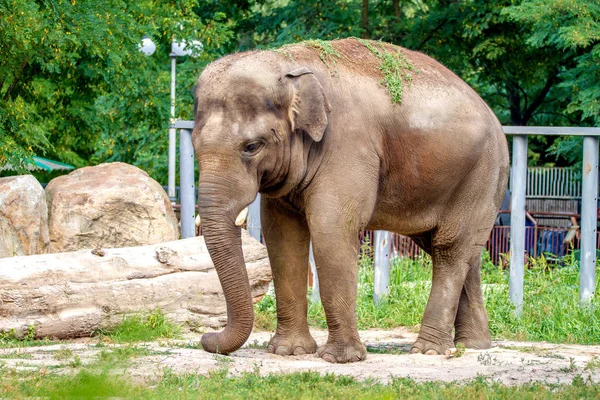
[553,183]
[519,238]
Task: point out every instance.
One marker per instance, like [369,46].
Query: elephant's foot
[478,341]
[336,352]
[422,346]
[286,345]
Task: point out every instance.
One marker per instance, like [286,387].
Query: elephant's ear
[309,106]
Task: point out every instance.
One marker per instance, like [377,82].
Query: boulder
[23,217]
[108,205]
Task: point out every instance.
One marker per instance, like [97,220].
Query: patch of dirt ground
[509,362]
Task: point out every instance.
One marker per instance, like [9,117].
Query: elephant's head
[256,120]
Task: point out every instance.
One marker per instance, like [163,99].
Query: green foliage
[281,22]
[143,328]
[74,87]
[571,27]
[394,67]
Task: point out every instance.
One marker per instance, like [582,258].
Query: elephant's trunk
[224,243]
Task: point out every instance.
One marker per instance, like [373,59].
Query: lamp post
[178,49]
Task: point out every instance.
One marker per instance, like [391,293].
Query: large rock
[23,217]
[109,205]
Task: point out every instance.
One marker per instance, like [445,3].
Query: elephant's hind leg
[450,268]
[471,324]
[288,239]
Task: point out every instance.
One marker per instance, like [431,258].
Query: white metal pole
[316,294]
[172,134]
[382,264]
[187,182]
[589,220]
[517,221]
[253,225]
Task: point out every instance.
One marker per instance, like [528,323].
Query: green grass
[327,53]
[17,355]
[140,327]
[394,66]
[143,327]
[551,310]
[9,339]
[307,385]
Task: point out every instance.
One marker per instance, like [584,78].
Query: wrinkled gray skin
[332,156]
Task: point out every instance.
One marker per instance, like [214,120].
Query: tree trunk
[365,20]
[396,4]
[72,294]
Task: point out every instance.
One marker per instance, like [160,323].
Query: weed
[223,360]
[571,367]
[12,338]
[327,53]
[284,51]
[593,364]
[144,328]
[487,359]
[265,314]
[120,355]
[63,354]
[460,349]
[75,362]
[17,355]
[257,345]
[540,352]
[394,66]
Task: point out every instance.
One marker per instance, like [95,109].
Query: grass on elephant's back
[551,310]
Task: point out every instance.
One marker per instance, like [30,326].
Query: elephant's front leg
[287,238]
[336,257]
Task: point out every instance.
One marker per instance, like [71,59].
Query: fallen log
[73,294]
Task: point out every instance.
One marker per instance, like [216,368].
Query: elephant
[337,137]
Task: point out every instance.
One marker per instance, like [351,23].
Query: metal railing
[552,183]
[518,182]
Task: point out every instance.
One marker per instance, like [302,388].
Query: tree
[571,27]
[74,86]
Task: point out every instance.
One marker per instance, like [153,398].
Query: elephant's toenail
[415,350]
[329,358]
[298,351]
[431,352]
[282,351]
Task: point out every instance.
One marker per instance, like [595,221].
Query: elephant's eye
[252,148]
